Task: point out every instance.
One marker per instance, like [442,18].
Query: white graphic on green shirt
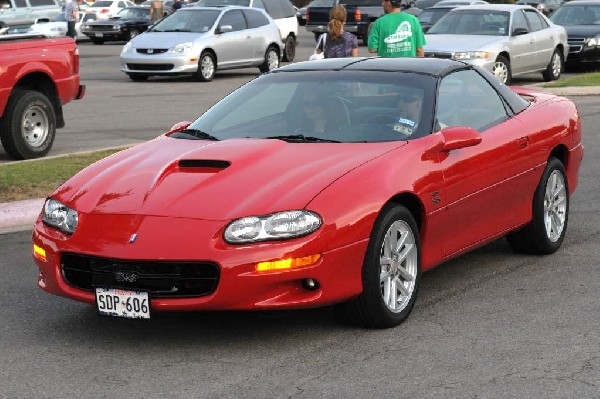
[402,33]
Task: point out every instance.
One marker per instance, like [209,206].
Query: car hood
[118,21]
[220,180]
[46,26]
[582,30]
[164,39]
[442,42]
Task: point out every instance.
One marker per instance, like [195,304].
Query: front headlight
[594,41]
[280,225]
[471,55]
[182,48]
[57,214]
[128,48]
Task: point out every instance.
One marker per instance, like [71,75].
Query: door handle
[523,142]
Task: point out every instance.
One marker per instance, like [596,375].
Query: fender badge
[133,237]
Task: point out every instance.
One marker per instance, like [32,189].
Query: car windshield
[577,15]
[431,15]
[323,106]
[472,22]
[189,20]
[134,13]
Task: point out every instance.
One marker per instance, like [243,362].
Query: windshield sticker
[408,122]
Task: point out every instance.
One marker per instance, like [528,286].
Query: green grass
[585,79]
[38,178]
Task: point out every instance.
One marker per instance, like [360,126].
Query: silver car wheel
[399,265]
[207,67]
[556,65]
[35,126]
[500,69]
[272,60]
[555,205]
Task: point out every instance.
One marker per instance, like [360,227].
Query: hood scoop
[204,165]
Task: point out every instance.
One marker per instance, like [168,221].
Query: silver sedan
[508,40]
[200,40]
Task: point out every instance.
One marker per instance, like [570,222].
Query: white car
[105,9]
[57,26]
[506,39]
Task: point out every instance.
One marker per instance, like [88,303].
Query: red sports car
[330,182]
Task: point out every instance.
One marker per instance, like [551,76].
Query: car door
[522,44]
[486,185]
[544,38]
[233,47]
[257,22]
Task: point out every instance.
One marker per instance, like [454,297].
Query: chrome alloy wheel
[556,65]
[555,206]
[35,126]
[207,67]
[272,60]
[500,69]
[399,265]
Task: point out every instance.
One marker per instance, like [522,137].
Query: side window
[288,8]
[519,21]
[235,19]
[122,4]
[258,4]
[21,3]
[535,22]
[255,18]
[465,98]
[38,3]
[274,9]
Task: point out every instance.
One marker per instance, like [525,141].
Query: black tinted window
[255,19]
[37,3]
[274,9]
[519,21]
[235,19]
[535,21]
[21,3]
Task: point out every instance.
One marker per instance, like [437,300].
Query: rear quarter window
[255,19]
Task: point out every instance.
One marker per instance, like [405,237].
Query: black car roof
[428,66]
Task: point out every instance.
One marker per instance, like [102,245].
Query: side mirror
[519,31]
[459,137]
[224,29]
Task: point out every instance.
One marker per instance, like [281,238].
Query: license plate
[99,35]
[122,303]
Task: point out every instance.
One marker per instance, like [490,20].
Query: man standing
[396,34]
[71,15]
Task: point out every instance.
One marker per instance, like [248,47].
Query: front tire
[391,272]
[289,51]
[502,70]
[554,68]
[206,67]
[28,127]
[550,214]
[271,60]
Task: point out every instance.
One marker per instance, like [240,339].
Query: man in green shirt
[396,34]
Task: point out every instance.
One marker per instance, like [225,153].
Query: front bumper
[159,64]
[240,286]
[114,34]
[580,54]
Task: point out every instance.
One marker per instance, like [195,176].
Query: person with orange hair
[337,43]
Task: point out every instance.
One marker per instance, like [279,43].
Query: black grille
[150,67]
[152,50]
[576,44]
[436,54]
[101,28]
[162,279]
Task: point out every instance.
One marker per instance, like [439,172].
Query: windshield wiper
[198,134]
[301,137]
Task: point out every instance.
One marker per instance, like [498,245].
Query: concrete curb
[21,215]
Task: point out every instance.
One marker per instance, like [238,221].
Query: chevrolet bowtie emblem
[133,238]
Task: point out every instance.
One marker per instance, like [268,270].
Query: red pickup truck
[37,77]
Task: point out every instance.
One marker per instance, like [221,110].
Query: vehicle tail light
[104,11]
[357,15]
[76,61]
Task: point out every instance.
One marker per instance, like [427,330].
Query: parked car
[458,3]
[104,9]
[431,15]
[126,25]
[425,4]
[20,14]
[581,19]
[57,26]
[254,207]
[506,39]
[199,40]
[282,12]
[546,7]
[301,14]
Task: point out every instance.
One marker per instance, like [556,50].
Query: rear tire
[502,70]
[206,67]
[550,214]
[28,128]
[289,51]
[271,60]
[555,67]
[391,272]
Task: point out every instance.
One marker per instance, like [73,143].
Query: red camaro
[331,182]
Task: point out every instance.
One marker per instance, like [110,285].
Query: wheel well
[211,51]
[42,83]
[562,51]
[505,55]
[412,203]
[561,153]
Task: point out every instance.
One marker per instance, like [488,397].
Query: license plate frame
[123,303]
